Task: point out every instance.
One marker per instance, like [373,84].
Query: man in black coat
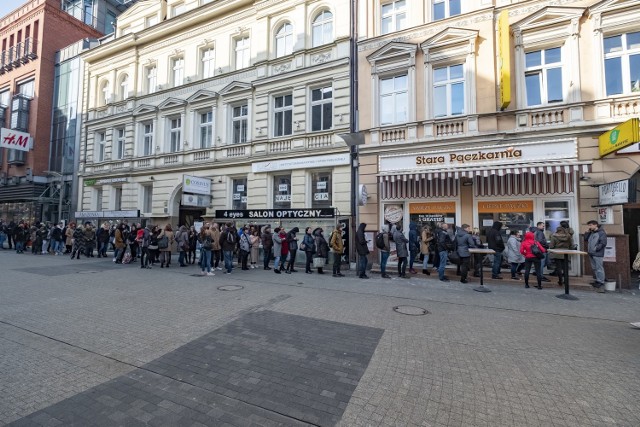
[496,242]
[363,250]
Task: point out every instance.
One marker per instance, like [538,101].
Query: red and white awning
[531,179]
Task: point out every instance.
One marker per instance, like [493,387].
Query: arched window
[105,93]
[284,40]
[322,31]
[124,87]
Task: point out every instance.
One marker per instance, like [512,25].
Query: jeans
[412,258]
[362,265]
[384,257]
[276,262]
[45,246]
[205,260]
[464,267]
[402,266]
[309,255]
[267,257]
[497,263]
[598,268]
[560,269]
[244,257]
[292,259]
[102,249]
[228,260]
[19,246]
[537,262]
[3,237]
[56,246]
[336,262]
[425,261]
[117,254]
[516,267]
[181,257]
[144,256]
[442,256]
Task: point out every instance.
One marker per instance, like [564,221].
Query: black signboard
[257,214]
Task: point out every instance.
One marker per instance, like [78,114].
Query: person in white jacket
[513,255]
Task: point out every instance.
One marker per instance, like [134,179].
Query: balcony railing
[19,54]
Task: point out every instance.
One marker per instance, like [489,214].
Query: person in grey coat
[401,250]
[596,242]
[182,239]
[513,255]
[464,241]
[277,250]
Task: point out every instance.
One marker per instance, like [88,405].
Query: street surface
[87,342]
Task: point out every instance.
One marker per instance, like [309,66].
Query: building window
[151,21]
[239,122]
[321,189]
[393,100]
[283,115]
[117,199]
[152,79]
[120,141]
[105,93]
[239,194]
[242,53]
[27,88]
[394,16]
[622,63]
[448,90]
[100,140]
[178,9]
[124,87]
[208,63]
[206,129]
[178,71]
[284,40]
[98,199]
[282,191]
[175,132]
[126,30]
[445,8]
[321,108]
[147,198]
[322,29]
[110,24]
[543,76]
[88,12]
[5,97]
[147,139]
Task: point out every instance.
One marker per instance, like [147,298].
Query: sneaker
[210,274]
[219,268]
[515,278]
[276,271]
[496,277]
[227,272]
[444,279]
[386,276]
[203,273]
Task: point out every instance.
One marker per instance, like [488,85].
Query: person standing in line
[426,248]
[68,234]
[277,249]
[37,239]
[444,245]
[3,234]
[182,242]
[284,252]
[496,242]
[228,242]
[254,240]
[530,258]
[596,241]
[77,241]
[414,245]
[561,239]
[206,243]
[102,238]
[292,240]
[363,250]
[540,237]
[385,252]
[165,251]
[322,248]
[193,244]
[57,239]
[464,241]
[513,255]
[143,237]
[309,249]
[216,252]
[10,230]
[46,239]
[119,244]
[337,246]
[477,258]
[267,245]
[89,239]
[245,248]
[131,241]
[401,250]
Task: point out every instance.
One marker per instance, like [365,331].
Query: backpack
[380,241]
[163,242]
[153,240]
[208,243]
[230,237]
[535,250]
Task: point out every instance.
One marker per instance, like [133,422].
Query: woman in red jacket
[530,258]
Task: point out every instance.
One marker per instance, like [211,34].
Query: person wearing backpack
[206,244]
[444,246]
[382,242]
[228,242]
[337,246]
[363,250]
[533,253]
[165,243]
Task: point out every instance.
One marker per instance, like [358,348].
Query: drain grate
[410,310]
[230,288]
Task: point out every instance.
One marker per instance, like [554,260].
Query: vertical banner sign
[504,59]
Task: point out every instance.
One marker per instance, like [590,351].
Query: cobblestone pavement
[92,343]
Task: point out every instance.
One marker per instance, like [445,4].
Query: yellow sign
[432,207]
[504,58]
[621,136]
[511,206]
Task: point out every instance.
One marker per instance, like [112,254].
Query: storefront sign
[506,206]
[621,136]
[301,163]
[277,213]
[393,214]
[605,215]
[482,156]
[616,193]
[196,185]
[16,140]
[199,201]
[107,214]
[432,208]
[103,181]
[318,197]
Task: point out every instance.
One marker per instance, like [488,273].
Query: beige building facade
[247,95]
[480,111]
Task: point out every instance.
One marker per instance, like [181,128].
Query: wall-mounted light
[157,148]
[297,123]
[218,140]
[341,119]
[259,130]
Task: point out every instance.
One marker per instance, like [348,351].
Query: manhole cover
[410,310]
[230,288]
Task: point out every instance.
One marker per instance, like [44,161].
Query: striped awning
[530,179]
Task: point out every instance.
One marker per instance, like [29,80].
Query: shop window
[282,191]
[554,213]
[431,213]
[239,194]
[513,214]
[321,189]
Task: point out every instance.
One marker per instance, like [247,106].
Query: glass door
[556,211]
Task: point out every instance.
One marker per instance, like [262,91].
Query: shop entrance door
[188,216]
[556,211]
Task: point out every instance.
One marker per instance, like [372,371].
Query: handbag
[454,257]
[535,250]
[319,262]
[302,246]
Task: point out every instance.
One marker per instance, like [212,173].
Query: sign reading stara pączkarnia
[319,213]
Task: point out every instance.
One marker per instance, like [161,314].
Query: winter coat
[561,239]
[464,241]
[596,242]
[361,240]
[525,247]
[228,239]
[215,233]
[401,243]
[477,241]
[78,238]
[322,248]
[413,237]
[102,235]
[385,238]
[540,237]
[309,243]
[267,240]
[292,239]
[119,241]
[90,238]
[285,244]
[245,245]
[68,237]
[171,238]
[277,244]
[425,242]
[512,252]
[494,237]
[442,237]
[335,242]
[254,241]
[182,239]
